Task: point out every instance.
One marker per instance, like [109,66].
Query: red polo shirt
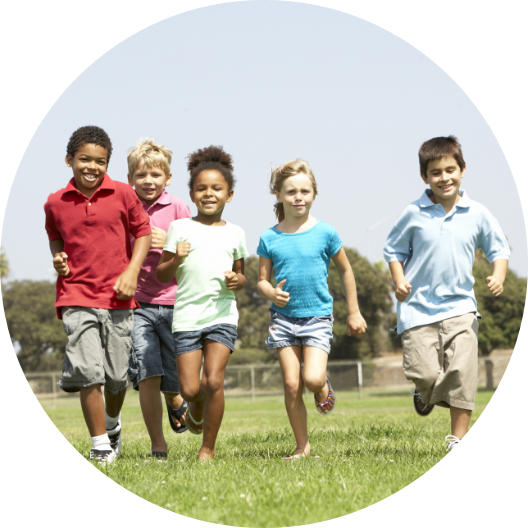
[96,234]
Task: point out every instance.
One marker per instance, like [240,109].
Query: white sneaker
[103,456]
[115,438]
[452,441]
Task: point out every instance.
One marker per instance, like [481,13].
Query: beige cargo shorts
[98,348]
[442,361]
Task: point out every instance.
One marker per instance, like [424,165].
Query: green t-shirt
[202,298]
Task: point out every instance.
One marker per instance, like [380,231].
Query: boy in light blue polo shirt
[430,252]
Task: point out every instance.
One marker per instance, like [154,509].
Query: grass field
[368,449]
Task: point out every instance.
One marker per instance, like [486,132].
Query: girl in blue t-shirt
[299,249]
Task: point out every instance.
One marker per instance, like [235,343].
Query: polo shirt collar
[163,199]
[107,184]
[425,201]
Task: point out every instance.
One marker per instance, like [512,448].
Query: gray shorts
[442,360]
[98,348]
[186,342]
[301,331]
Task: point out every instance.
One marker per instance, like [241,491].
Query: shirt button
[89,203]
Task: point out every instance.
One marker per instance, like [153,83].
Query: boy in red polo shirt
[89,224]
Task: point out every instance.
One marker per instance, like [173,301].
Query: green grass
[368,450]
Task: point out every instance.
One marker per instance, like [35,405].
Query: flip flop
[158,454]
[331,395]
[177,413]
[191,430]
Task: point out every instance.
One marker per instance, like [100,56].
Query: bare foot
[205,454]
[299,453]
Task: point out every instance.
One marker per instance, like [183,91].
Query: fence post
[360,379]
[252,383]
[54,389]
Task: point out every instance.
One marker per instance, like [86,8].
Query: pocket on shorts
[328,319]
[122,321]
[71,319]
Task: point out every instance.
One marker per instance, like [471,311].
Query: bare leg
[150,401]
[290,362]
[189,375]
[459,422]
[93,409]
[216,357]
[314,375]
[114,402]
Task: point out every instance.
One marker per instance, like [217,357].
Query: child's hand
[60,263]
[158,238]
[231,280]
[182,250]
[356,325]
[403,289]
[280,298]
[125,285]
[494,285]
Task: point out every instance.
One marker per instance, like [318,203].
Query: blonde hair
[281,173]
[152,154]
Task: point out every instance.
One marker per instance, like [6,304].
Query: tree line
[39,338]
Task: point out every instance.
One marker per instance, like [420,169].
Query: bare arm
[126,284]
[403,288]
[496,280]
[169,262]
[276,295]
[235,279]
[60,259]
[356,325]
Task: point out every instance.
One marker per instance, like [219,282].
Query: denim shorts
[194,340]
[301,331]
[97,349]
[153,351]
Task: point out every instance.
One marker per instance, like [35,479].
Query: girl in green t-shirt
[207,255]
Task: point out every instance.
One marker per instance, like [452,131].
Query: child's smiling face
[444,176]
[89,164]
[210,192]
[149,182]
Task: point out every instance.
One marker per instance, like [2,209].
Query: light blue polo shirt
[438,251]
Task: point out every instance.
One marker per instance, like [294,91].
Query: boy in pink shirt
[152,364]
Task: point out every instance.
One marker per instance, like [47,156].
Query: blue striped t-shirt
[302,259]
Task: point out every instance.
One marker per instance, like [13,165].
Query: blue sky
[270,81]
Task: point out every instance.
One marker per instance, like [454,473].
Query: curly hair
[211,158]
[151,153]
[281,173]
[439,148]
[89,134]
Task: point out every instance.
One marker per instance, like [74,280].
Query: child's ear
[277,195]
[130,180]
[463,172]
[424,178]
[168,180]
[68,159]
[230,195]
[191,194]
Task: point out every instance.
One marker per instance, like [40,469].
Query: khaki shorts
[98,348]
[442,360]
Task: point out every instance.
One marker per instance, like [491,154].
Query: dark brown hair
[439,148]
[211,158]
[89,134]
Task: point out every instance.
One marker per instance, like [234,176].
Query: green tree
[4,265]
[33,324]
[501,316]
[373,288]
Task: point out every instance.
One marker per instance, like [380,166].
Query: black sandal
[177,413]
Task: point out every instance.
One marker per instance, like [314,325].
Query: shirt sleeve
[241,250]
[262,249]
[171,240]
[493,242]
[138,220]
[397,247]
[51,226]
[335,243]
[183,210]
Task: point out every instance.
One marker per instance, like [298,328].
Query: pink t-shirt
[162,212]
